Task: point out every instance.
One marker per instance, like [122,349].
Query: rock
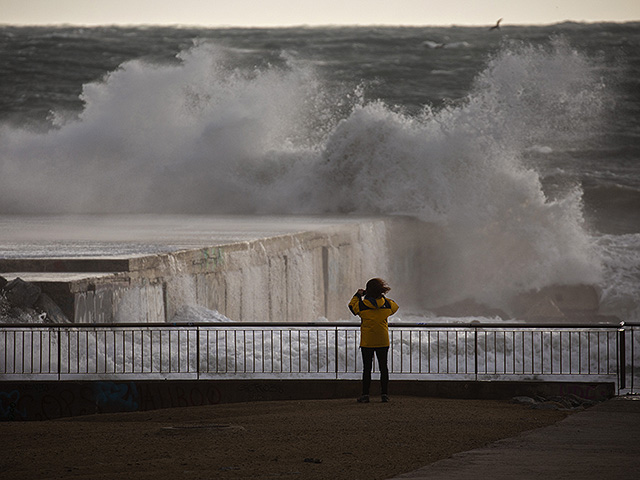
[24,302]
[575,400]
[565,402]
[23,315]
[53,312]
[581,402]
[21,294]
[5,306]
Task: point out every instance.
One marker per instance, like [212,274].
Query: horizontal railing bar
[504,325]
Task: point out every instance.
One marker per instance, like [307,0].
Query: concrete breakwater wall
[297,277]
[257,269]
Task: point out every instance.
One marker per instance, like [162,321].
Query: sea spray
[206,135]
[200,136]
[621,259]
[463,167]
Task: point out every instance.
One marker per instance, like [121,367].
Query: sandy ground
[322,439]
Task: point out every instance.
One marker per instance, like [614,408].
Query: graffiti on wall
[49,400]
[9,409]
[261,391]
[116,397]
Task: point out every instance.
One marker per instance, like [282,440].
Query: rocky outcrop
[54,313]
[21,294]
[24,302]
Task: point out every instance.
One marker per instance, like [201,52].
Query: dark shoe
[385,398]
[363,399]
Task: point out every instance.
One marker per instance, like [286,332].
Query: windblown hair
[376,288]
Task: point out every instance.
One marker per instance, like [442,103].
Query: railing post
[59,353]
[633,365]
[622,358]
[335,351]
[198,353]
[475,351]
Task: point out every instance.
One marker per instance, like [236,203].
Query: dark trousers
[367,360]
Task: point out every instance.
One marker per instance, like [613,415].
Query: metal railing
[318,351]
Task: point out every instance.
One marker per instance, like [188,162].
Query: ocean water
[523,143]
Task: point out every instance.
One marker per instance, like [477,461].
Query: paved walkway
[602,442]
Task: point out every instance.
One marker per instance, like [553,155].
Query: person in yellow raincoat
[374,309]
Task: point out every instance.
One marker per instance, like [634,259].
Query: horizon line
[306,25]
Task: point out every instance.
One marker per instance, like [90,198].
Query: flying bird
[496,26]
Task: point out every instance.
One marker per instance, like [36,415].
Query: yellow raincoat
[374,329]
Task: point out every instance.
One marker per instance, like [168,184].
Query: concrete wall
[21,401]
[291,278]
[297,277]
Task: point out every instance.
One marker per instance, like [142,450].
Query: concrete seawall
[50,400]
[148,269]
[298,276]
